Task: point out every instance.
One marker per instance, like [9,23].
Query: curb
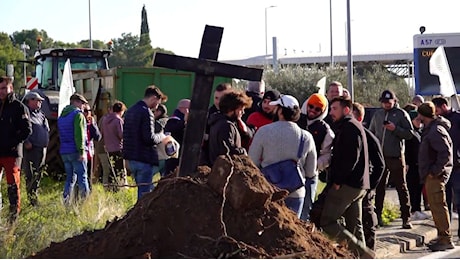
[392,239]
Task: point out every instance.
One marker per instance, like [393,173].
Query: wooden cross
[206,68]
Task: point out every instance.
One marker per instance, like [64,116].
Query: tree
[97,44]
[297,81]
[127,52]
[10,54]
[369,82]
[145,32]
[30,38]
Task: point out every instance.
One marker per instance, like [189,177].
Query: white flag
[321,84]
[67,88]
[440,67]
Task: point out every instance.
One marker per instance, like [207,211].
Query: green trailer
[130,84]
[101,86]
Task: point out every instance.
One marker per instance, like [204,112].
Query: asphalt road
[423,252]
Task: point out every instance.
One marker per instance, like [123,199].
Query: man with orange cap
[313,112]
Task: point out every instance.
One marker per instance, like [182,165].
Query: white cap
[33,95]
[287,101]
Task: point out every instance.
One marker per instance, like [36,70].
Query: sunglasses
[317,109]
[87,110]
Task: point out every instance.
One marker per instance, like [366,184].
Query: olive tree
[368,82]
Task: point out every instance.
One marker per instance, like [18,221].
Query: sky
[301,26]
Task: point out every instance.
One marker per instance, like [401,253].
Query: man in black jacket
[349,180]
[15,127]
[140,139]
[377,166]
[224,135]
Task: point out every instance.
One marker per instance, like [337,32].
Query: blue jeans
[143,175]
[76,170]
[295,204]
[310,194]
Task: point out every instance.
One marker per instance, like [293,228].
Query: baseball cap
[387,95]
[286,101]
[272,95]
[79,97]
[33,95]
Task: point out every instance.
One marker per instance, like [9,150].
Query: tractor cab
[50,64]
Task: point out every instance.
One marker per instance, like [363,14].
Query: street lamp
[330,32]
[89,16]
[24,48]
[266,40]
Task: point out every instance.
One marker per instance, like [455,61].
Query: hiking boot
[433,241]
[441,246]
[407,225]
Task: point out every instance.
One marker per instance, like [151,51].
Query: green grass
[37,227]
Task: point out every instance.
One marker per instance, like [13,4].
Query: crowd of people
[416,148]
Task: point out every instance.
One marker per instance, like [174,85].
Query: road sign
[424,47]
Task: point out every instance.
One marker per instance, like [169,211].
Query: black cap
[387,95]
[272,95]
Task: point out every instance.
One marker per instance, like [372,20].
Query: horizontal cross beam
[206,67]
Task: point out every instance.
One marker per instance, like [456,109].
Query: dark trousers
[117,175]
[32,164]
[347,202]
[369,219]
[395,171]
[170,165]
[415,188]
[453,192]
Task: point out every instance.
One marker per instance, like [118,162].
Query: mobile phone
[386,122]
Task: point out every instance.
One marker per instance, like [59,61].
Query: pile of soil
[187,217]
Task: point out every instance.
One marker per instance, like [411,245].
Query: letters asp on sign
[434,42]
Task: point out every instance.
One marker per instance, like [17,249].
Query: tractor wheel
[55,166]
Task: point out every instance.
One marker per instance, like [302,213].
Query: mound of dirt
[188,217]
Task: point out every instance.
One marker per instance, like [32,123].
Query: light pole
[24,48]
[266,40]
[89,15]
[349,56]
[330,32]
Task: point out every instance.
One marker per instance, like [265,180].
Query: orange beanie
[318,100]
